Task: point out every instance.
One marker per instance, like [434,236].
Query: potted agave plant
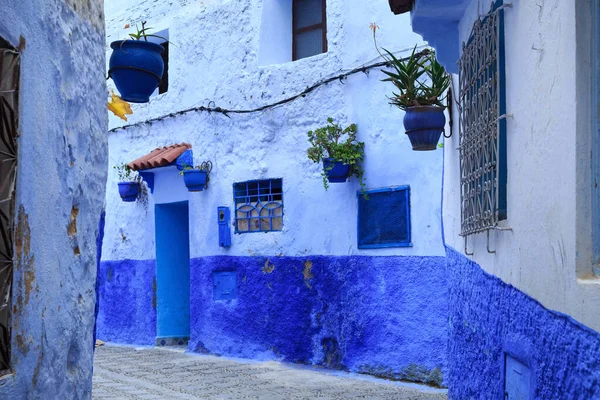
[129,183]
[196,178]
[136,65]
[421,84]
[339,151]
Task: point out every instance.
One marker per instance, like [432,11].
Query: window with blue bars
[258,205]
[384,218]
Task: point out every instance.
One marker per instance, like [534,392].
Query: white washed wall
[216,57]
[548,253]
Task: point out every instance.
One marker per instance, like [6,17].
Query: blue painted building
[520,197]
[53,153]
[265,263]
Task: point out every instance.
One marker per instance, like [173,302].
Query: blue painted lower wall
[126,302]
[489,318]
[385,316]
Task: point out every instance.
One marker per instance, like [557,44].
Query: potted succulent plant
[136,65]
[129,183]
[196,178]
[339,151]
[421,84]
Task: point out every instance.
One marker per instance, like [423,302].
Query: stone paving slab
[168,373]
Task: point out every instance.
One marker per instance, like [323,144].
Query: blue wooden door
[172,270]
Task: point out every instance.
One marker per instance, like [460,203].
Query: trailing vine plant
[126,174]
[331,141]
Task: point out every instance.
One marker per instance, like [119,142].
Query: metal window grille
[384,218]
[9,81]
[482,130]
[258,206]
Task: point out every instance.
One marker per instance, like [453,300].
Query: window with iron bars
[482,143]
[9,101]
[258,206]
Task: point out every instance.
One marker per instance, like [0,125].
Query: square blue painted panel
[384,218]
[224,285]
[517,383]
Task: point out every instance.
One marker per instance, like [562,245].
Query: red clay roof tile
[159,157]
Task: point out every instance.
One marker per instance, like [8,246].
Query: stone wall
[59,194]
[385,316]
[489,318]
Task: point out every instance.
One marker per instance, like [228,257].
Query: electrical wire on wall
[211,108]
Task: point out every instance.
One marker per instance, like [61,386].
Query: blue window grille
[483,125]
[258,206]
[384,219]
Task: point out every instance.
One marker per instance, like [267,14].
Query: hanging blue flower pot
[195,179]
[336,171]
[136,67]
[129,191]
[424,126]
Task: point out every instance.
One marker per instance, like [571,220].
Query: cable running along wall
[308,90]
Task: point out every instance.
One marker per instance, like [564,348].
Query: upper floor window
[162,38]
[309,30]
[258,206]
[482,139]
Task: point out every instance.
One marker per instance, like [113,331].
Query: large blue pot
[336,171]
[195,179]
[424,126]
[136,67]
[129,191]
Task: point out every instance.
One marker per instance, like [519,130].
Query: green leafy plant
[331,141]
[142,34]
[126,174]
[419,79]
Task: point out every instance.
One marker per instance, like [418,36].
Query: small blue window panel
[518,380]
[224,285]
[384,218]
[258,206]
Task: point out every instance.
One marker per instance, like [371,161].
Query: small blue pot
[129,191]
[136,67]
[195,180]
[338,173]
[424,126]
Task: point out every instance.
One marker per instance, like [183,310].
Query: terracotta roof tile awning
[400,6]
[159,157]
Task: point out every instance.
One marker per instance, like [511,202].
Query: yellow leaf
[119,107]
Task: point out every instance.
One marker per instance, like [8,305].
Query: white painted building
[238,55]
[539,242]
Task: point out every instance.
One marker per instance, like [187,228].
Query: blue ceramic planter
[339,171]
[129,191]
[195,180]
[424,126]
[136,67]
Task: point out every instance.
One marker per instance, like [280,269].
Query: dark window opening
[163,87]
[9,118]
[258,206]
[309,30]
[384,218]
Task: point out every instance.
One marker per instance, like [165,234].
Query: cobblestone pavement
[159,373]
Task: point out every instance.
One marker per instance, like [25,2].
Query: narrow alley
[169,373]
